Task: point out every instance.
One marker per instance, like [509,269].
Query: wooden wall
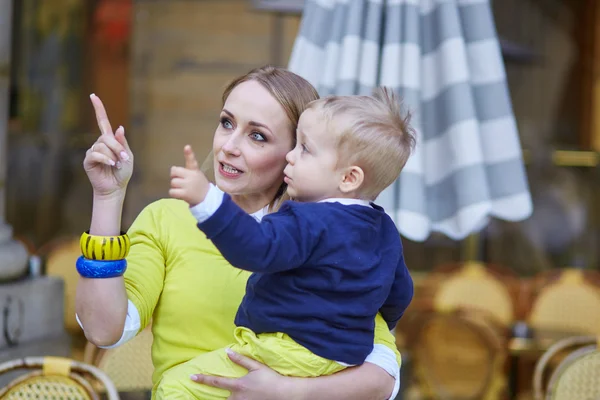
[594,75]
[47,88]
[164,85]
[183,55]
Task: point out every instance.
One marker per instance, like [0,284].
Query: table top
[541,339]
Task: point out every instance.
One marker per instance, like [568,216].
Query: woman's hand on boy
[189,183]
[261,382]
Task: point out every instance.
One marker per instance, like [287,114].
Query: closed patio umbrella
[444,59]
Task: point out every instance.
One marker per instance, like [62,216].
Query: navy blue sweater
[322,271]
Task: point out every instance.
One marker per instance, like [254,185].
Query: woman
[177,278]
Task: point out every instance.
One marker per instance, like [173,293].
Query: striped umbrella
[443,57]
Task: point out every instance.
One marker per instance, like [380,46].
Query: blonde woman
[177,278]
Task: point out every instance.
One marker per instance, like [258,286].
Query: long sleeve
[400,296]
[281,241]
[211,203]
[145,273]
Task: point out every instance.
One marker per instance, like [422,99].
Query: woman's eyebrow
[251,123]
[228,113]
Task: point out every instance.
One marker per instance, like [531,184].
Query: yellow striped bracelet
[106,248]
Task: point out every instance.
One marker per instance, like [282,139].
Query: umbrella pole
[472,248]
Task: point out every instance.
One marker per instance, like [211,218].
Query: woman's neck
[251,204]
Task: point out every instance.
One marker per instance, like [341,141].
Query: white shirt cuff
[386,359]
[210,205]
[130,330]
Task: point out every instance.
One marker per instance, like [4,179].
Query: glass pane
[563,230]
[546,93]
[437,250]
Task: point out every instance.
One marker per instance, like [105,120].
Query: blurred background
[488,306]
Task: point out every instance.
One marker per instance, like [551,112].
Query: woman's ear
[352,179]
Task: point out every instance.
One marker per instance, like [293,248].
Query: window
[281,6]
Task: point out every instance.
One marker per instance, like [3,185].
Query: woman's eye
[259,137]
[226,123]
[304,148]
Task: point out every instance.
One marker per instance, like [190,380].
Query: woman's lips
[229,171]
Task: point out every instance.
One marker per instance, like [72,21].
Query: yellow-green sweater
[178,279]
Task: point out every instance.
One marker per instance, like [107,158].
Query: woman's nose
[231,146]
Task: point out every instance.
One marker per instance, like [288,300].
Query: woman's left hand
[261,382]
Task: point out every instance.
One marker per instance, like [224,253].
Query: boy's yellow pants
[277,350]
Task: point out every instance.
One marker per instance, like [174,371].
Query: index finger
[101,117]
[190,158]
[230,384]
[243,361]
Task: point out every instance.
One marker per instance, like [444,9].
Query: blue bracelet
[100,269]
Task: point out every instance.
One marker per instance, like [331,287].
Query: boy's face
[312,173]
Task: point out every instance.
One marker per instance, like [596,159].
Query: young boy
[326,263]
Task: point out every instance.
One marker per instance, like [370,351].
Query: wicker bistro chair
[568,300]
[54,378]
[579,346]
[565,303]
[129,366]
[458,355]
[577,377]
[475,286]
[59,258]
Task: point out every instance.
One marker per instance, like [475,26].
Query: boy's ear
[352,179]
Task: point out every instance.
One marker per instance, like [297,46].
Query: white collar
[258,215]
[347,202]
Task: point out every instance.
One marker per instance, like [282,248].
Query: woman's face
[250,145]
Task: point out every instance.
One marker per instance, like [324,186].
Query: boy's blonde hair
[372,134]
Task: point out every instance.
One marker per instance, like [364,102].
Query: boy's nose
[289,157]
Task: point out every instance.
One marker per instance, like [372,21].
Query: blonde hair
[372,134]
[293,92]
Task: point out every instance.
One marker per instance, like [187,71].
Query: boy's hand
[189,183]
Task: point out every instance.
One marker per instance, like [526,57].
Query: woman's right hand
[109,162]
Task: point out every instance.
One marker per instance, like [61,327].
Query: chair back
[577,376]
[53,378]
[60,256]
[570,344]
[570,302]
[474,286]
[129,366]
[459,355]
